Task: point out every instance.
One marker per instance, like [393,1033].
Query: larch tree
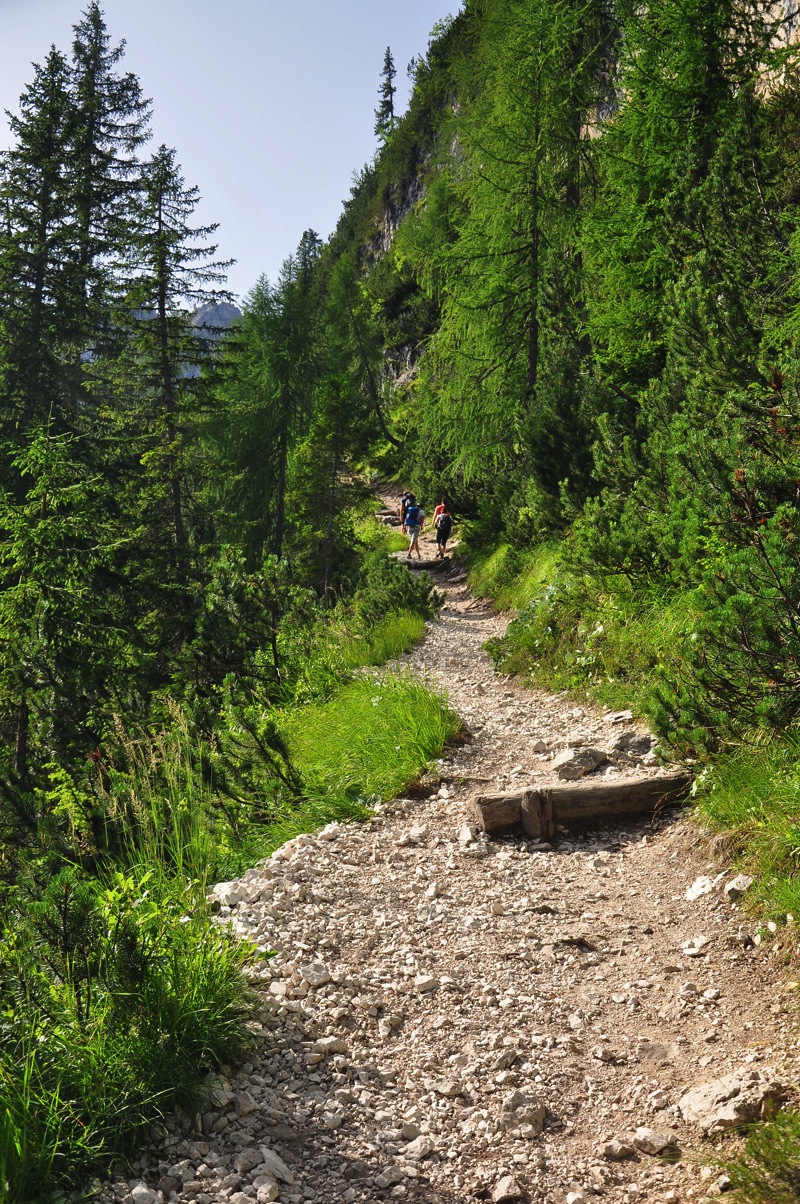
[506,365]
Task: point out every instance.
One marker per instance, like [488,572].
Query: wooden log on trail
[538,812]
[497,813]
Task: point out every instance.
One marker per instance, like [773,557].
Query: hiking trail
[450,1018]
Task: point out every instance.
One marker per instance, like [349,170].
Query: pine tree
[385,119]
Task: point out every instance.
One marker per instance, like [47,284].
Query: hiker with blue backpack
[414,521]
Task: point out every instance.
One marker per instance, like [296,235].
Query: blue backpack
[412,516]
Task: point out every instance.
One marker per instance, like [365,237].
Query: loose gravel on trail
[449,1018]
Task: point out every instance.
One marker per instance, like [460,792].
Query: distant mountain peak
[219,314]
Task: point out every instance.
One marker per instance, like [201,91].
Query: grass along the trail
[768,1172]
[508,576]
[362,747]
[385,641]
[753,794]
[601,639]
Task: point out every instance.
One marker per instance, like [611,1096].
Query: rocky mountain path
[450,1019]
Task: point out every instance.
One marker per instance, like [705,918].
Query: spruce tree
[110,125]
[39,310]
[152,395]
[384,114]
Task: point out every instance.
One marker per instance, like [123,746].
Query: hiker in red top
[443,522]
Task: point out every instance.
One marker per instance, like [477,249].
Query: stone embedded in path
[519,1108]
[738,886]
[701,886]
[315,974]
[734,1100]
[419,1148]
[276,1167]
[617,1151]
[248,1159]
[425,983]
[631,747]
[695,947]
[330,1045]
[619,717]
[388,1178]
[244,1103]
[506,1189]
[449,1088]
[574,763]
[652,1141]
[142,1194]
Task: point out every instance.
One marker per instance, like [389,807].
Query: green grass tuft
[385,641]
[361,747]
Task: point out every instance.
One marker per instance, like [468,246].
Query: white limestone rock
[652,1141]
[736,1099]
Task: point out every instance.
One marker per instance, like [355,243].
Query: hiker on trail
[415,520]
[405,497]
[443,522]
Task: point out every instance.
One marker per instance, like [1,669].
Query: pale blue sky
[269,103]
